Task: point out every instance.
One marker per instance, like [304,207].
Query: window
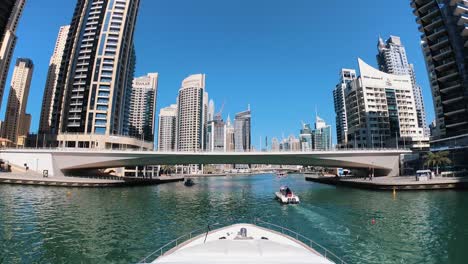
[100,130]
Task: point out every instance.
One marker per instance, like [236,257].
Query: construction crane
[220,112]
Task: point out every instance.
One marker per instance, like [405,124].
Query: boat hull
[294,199]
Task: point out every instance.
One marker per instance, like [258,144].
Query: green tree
[437,159]
[167,169]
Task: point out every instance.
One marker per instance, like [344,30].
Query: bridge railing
[64,149]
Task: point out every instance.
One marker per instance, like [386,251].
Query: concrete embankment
[33,179]
[393,183]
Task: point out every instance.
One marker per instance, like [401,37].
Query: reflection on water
[122,225]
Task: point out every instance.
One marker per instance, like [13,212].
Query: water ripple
[69,225]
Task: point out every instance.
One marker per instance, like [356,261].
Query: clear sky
[281,57]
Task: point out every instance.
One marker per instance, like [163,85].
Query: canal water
[123,225]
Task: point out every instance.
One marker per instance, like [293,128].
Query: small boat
[281,174]
[189,182]
[260,242]
[286,196]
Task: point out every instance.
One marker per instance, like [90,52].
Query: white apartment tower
[392,59]
[381,110]
[191,113]
[17,122]
[50,91]
[10,13]
[167,128]
[346,77]
[142,107]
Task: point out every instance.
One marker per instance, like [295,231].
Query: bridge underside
[71,162]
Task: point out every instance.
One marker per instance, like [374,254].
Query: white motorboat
[286,196]
[244,243]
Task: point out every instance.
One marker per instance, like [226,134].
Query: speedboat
[243,243]
[189,182]
[280,174]
[286,196]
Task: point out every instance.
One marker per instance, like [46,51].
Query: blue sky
[281,57]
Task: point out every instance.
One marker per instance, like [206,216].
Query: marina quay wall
[68,162]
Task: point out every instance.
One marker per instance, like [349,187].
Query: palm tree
[437,159]
[167,169]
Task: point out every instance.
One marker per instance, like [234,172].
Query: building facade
[50,91]
[230,136]
[96,70]
[191,114]
[381,110]
[322,135]
[10,13]
[142,107]
[242,133]
[346,77]
[17,122]
[392,59]
[444,34]
[167,128]
[216,135]
[443,24]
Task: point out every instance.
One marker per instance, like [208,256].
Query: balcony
[439,43]
[455,112]
[465,31]
[447,75]
[460,9]
[440,54]
[463,20]
[453,99]
[430,14]
[445,64]
[434,34]
[456,124]
[434,23]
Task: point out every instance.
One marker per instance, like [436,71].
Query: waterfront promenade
[32,178]
[392,183]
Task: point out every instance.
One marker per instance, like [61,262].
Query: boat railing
[309,242]
[175,243]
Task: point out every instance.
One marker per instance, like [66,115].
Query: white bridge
[68,162]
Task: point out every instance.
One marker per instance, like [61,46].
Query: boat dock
[392,183]
[36,179]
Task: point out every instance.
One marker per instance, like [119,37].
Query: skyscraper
[50,91]
[216,135]
[346,77]
[242,133]
[143,107]
[381,110]
[442,24]
[167,128]
[392,59]
[275,145]
[305,138]
[10,13]
[229,131]
[17,122]
[322,135]
[191,113]
[96,70]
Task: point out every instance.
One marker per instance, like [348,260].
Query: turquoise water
[123,225]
